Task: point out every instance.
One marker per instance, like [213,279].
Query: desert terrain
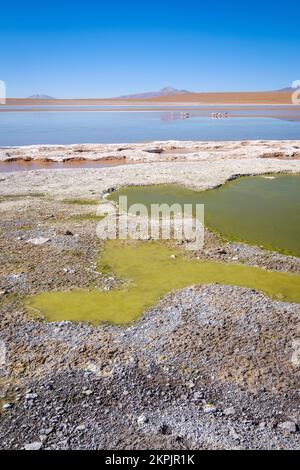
[220,98]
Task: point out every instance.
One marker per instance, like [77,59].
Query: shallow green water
[260,210]
[150,273]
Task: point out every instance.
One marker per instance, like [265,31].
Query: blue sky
[102,49]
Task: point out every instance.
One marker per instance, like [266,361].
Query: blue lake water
[94,126]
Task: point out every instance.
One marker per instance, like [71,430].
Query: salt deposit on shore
[205,171]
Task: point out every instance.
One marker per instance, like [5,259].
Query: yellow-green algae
[260,210]
[151,273]
[81,202]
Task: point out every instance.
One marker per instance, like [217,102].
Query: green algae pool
[259,210]
[150,273]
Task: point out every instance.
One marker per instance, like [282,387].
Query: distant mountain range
[167,91]
[40,97]
[285,90]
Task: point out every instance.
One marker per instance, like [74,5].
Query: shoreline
[148,108]
[196,165]
[204,169]
[155,151]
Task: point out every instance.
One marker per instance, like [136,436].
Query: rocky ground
[209,367]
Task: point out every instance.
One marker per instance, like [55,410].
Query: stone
[7,406]
[198,395]
[91,366]
[88,392]
[229,411]
[47,431]
[80,427]
[209,408]
[142,419]
[38,240]
[155,150]
[69,270]
[31,396]
[288,426]
[33,445]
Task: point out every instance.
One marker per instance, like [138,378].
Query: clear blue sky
[94,48]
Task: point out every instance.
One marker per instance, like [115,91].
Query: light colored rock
[295,359]
[33,445]
[198,395]
[262,425]
[38,241]
[2,354]
[229,411]
[288,426]
[31,396]
[142,419]
[80,427]
[47,431]
[6,406]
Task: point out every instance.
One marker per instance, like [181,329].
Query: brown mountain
[167,91]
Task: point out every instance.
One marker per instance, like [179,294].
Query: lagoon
[151,270]
[52,126]
[260,210]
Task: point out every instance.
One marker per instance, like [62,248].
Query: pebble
[69,270]
[209,408]
[7,406]
[142,419]
[38,241]
[31,396]
[262,425]
[288,426]
[198,395]
[88,392]
[33,445]
[229,411]
[80,427]
[47,431]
